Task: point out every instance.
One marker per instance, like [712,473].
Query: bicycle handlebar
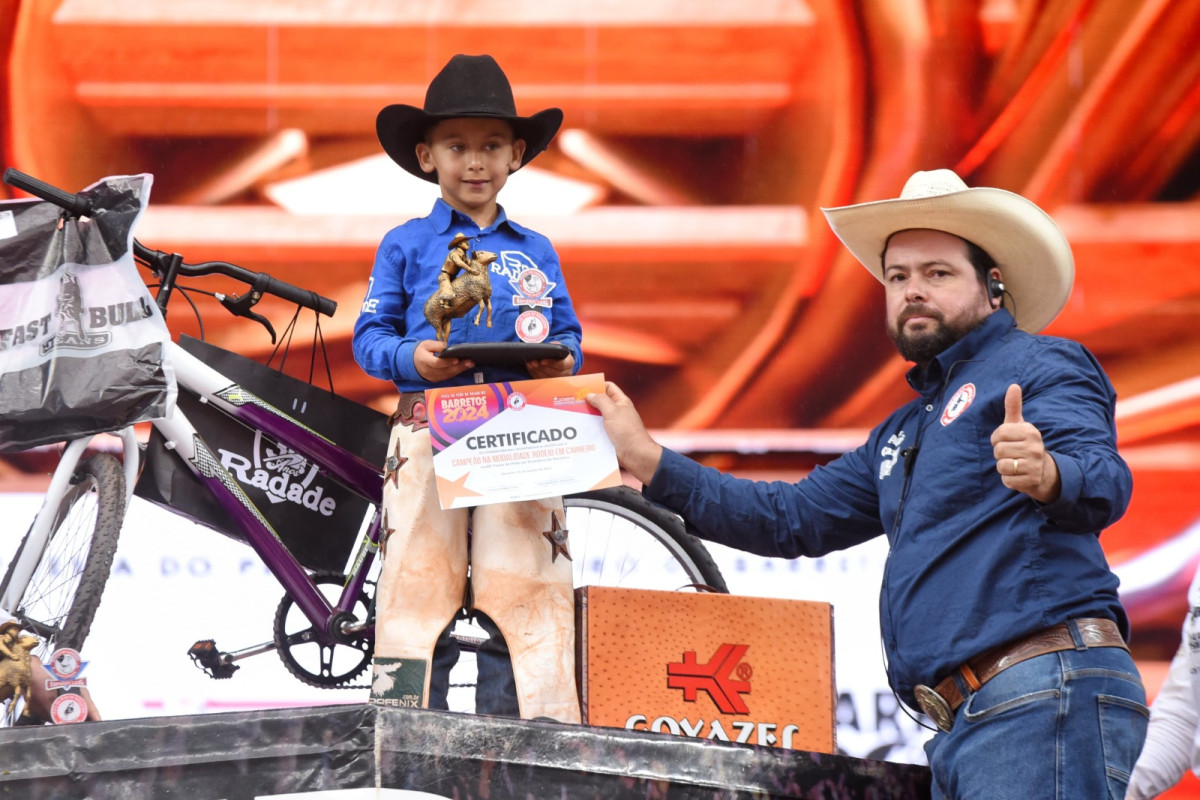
[260,282]
[71,202]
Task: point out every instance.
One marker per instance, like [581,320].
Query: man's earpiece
[995,289]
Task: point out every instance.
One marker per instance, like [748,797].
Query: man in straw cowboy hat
[468,138]
[999,614]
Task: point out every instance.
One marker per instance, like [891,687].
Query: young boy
[469,139]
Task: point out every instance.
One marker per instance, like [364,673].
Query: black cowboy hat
[468,86]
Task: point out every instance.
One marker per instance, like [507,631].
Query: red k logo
[715,677]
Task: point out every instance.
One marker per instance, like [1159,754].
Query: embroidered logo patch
[889,454]
[399,682]
[533,289]
[512,263]
[959,403]
[532,327]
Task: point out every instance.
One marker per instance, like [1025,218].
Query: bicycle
[323,628]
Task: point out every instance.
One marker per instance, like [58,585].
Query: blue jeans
[1066,725]
[495,689]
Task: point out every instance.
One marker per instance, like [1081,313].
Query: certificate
[521,440]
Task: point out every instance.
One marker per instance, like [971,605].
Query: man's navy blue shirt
[972,564]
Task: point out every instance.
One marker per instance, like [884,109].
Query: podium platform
[406,753]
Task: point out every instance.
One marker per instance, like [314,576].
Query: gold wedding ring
[1016,465]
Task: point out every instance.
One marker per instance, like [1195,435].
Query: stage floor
[356,750]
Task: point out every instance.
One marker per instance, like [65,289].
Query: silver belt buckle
[935,707]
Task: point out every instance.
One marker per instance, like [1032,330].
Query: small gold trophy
[15,672]
[463,284]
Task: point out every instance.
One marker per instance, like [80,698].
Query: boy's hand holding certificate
[523,440]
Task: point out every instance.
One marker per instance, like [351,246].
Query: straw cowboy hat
[468,86]
[1032,253]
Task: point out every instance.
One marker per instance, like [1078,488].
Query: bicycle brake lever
[266,323]
[240,304]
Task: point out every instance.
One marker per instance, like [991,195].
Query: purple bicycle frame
[357,475]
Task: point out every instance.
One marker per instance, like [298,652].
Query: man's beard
[923,347]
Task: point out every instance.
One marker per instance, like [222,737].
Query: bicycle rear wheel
[60,599]
[616,538]
[619,538]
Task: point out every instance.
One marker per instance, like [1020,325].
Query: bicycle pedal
[212,661]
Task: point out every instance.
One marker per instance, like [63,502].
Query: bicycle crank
[325,665]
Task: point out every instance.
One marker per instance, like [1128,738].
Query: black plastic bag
[316,518]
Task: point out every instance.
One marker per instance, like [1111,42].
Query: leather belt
[940,702]
[410,411]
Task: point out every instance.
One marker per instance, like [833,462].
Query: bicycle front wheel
[619,538]
[60,599]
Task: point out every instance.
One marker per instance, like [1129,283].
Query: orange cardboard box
[711,666]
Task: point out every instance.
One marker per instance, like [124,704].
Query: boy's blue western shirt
[526,278]
[972,564]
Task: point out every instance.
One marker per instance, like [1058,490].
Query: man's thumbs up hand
[1021,457]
